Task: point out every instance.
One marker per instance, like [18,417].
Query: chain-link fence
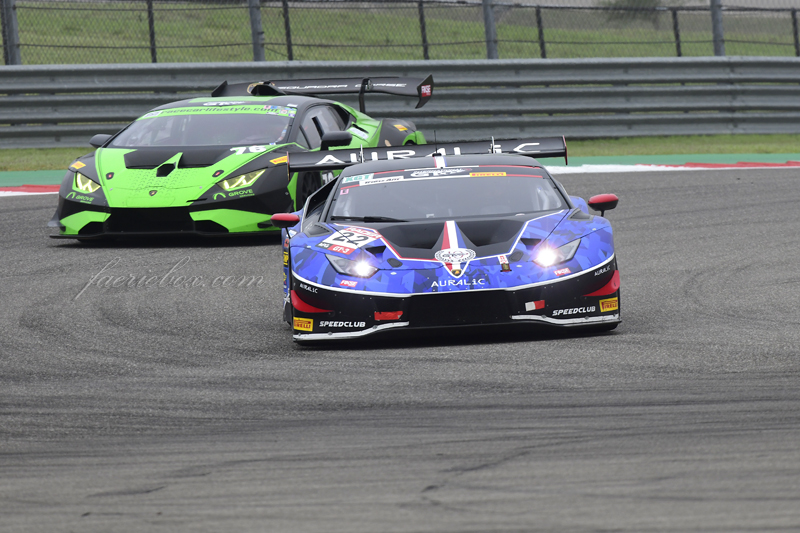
[135,31]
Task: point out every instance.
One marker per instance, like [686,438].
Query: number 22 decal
[349,236]
[350,239]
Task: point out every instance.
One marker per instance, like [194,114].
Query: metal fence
[48,106]
[37,32]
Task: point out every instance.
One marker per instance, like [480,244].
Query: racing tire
[307,184]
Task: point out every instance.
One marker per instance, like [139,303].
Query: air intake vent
[164,170]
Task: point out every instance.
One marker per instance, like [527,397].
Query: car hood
[162,177]
[449,255]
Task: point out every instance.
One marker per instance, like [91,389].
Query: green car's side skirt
[73,223]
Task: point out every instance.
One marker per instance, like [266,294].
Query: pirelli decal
[611,304]
[303,324]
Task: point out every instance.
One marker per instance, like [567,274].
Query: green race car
[217,165]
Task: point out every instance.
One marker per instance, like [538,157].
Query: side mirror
[336,138]
[284,220]
[603,202]
[99,140]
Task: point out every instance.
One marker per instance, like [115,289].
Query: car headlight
[242,180]
[548,256]
[358,268]
[84,184]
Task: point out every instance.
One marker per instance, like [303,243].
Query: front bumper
[234,216]
[589,299]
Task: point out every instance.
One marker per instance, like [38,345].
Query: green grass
[690,144]
[39,159]
[68,32]
[60,158]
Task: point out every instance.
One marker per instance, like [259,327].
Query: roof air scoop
[164,170]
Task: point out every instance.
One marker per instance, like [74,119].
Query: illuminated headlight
[84,184]
[358,268]
[242,180]
[552,256]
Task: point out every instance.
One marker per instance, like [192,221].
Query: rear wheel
[307,184]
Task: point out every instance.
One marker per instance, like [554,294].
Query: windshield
[444,193]
[209,126]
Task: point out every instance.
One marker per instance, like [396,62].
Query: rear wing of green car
[420,88]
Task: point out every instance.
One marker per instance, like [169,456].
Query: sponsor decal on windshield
[485,174]
[438,172]
[280,110]
[353,179]
[214,108]
[373,181]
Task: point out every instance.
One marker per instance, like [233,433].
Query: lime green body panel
[73,223]
[143,188]
[235,221]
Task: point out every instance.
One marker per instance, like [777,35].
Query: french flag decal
[453,255]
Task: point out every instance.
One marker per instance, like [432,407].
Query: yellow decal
[400,127]
[285,258]
[77,165]
[612,304]
[481,174]
[304,324]
[279,160]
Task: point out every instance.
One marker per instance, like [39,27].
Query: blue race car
[449,235]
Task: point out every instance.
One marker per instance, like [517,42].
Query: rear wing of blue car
[420,88]
[339,159]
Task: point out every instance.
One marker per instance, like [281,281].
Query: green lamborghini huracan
[217,165]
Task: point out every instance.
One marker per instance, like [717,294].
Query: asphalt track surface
[172,407]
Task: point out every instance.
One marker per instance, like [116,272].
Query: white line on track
[20,193]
